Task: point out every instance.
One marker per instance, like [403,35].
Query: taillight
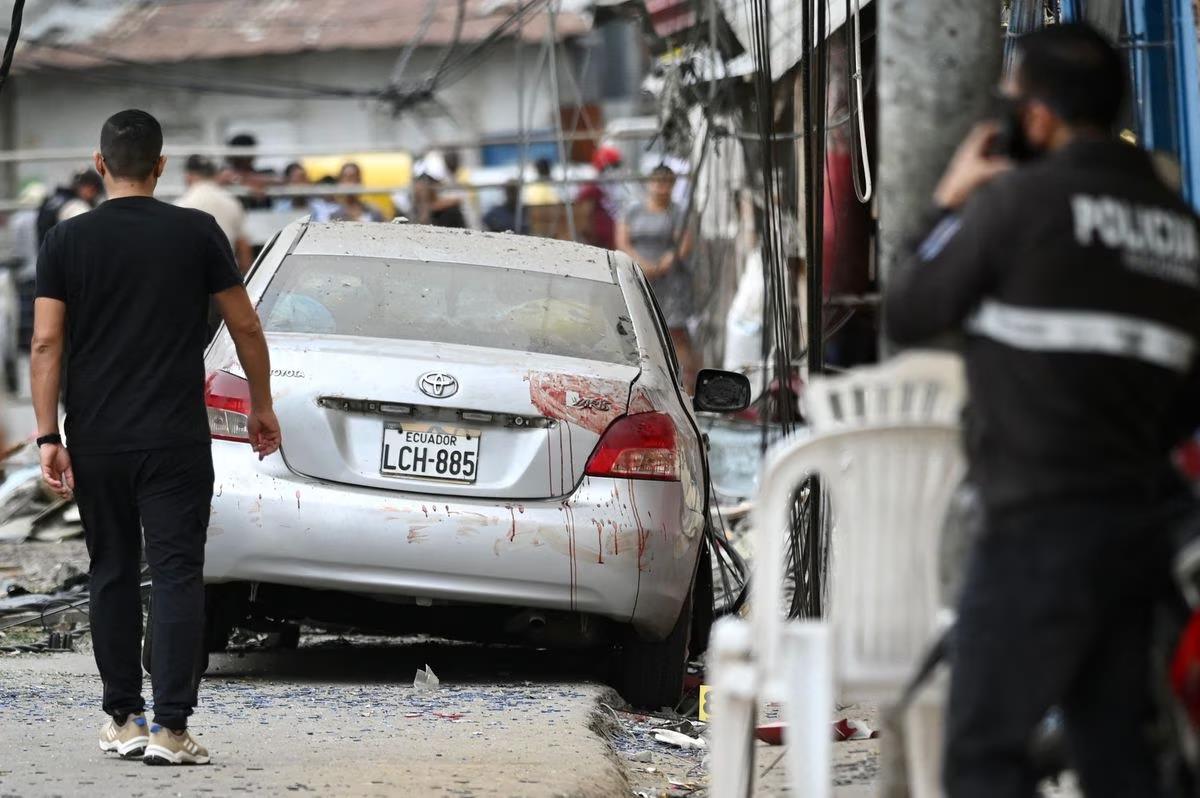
[640,446]
[228,401]
[1185,669]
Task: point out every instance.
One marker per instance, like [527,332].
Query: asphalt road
[334,719]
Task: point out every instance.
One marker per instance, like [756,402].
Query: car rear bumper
[620,549]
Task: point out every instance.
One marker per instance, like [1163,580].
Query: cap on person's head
[131,143]
[242,140]
[199,165]
[431,167]
[241,162]
[1075,70]
[606,157]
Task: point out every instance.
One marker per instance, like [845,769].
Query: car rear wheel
[650,673]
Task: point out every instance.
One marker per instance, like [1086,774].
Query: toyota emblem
[438,385]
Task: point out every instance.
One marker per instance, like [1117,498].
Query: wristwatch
[53,437]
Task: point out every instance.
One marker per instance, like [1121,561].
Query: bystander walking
[295,176]
[542,191]
[125,289]
[204,194]
[353,207]
[502,218]
[84,193]
[656,234]
[599,202]
[240,171]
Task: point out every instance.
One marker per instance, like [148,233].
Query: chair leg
[808,706]
[733,707]
[924,730]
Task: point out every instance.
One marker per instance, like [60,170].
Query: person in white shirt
[204,194]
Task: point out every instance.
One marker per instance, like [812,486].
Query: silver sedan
[483,435]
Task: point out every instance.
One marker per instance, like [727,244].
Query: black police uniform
[1076,280]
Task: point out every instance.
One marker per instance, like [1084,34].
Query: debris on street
[28,510]
[678,739]
[426,679]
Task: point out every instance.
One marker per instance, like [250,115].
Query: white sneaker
[168,748]
[129,739]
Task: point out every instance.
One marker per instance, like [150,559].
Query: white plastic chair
[885,443]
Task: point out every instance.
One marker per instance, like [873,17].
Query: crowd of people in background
[648,225]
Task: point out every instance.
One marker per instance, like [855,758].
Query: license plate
[430,451]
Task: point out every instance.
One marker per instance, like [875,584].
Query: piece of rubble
[426,679]
[679,739]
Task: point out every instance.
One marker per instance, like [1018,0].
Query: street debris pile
[28,510]
[42,588]
[58,616]
[666,753]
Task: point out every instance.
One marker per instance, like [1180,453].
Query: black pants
[166,494]
[1057,610]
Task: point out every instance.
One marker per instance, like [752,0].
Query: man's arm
[947,274]
[244,327]
[45,370]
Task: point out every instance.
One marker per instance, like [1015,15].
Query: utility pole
[938,62]
[8,136]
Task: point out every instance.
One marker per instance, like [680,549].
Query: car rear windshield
[452,304]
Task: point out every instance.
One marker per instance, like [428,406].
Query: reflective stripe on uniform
[1084,331]
[939,237]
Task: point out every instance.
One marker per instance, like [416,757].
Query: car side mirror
[721,391]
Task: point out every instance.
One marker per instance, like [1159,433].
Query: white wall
[67,110]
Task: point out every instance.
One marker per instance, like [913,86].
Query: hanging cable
[411,47]
[459,14]
[860,163]
[14,33]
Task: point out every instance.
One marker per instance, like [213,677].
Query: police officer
[1074,272]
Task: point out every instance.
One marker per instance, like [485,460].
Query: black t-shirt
[136,275]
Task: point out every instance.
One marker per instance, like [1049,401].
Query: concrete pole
[8,135]
[938,62]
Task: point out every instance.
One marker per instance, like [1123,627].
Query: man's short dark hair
[131,143]
[1076,71]
[662,172]
[200,165]
[542,167]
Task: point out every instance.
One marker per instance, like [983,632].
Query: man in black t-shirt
[125,288]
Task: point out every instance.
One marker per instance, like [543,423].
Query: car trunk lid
[527,424]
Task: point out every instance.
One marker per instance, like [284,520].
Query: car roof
[446,245]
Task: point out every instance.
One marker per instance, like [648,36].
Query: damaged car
[484,436]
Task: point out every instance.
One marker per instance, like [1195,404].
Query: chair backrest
[886,445]
[918,387]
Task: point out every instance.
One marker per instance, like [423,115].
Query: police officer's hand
[263,429]
[972,166]
[56,469]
